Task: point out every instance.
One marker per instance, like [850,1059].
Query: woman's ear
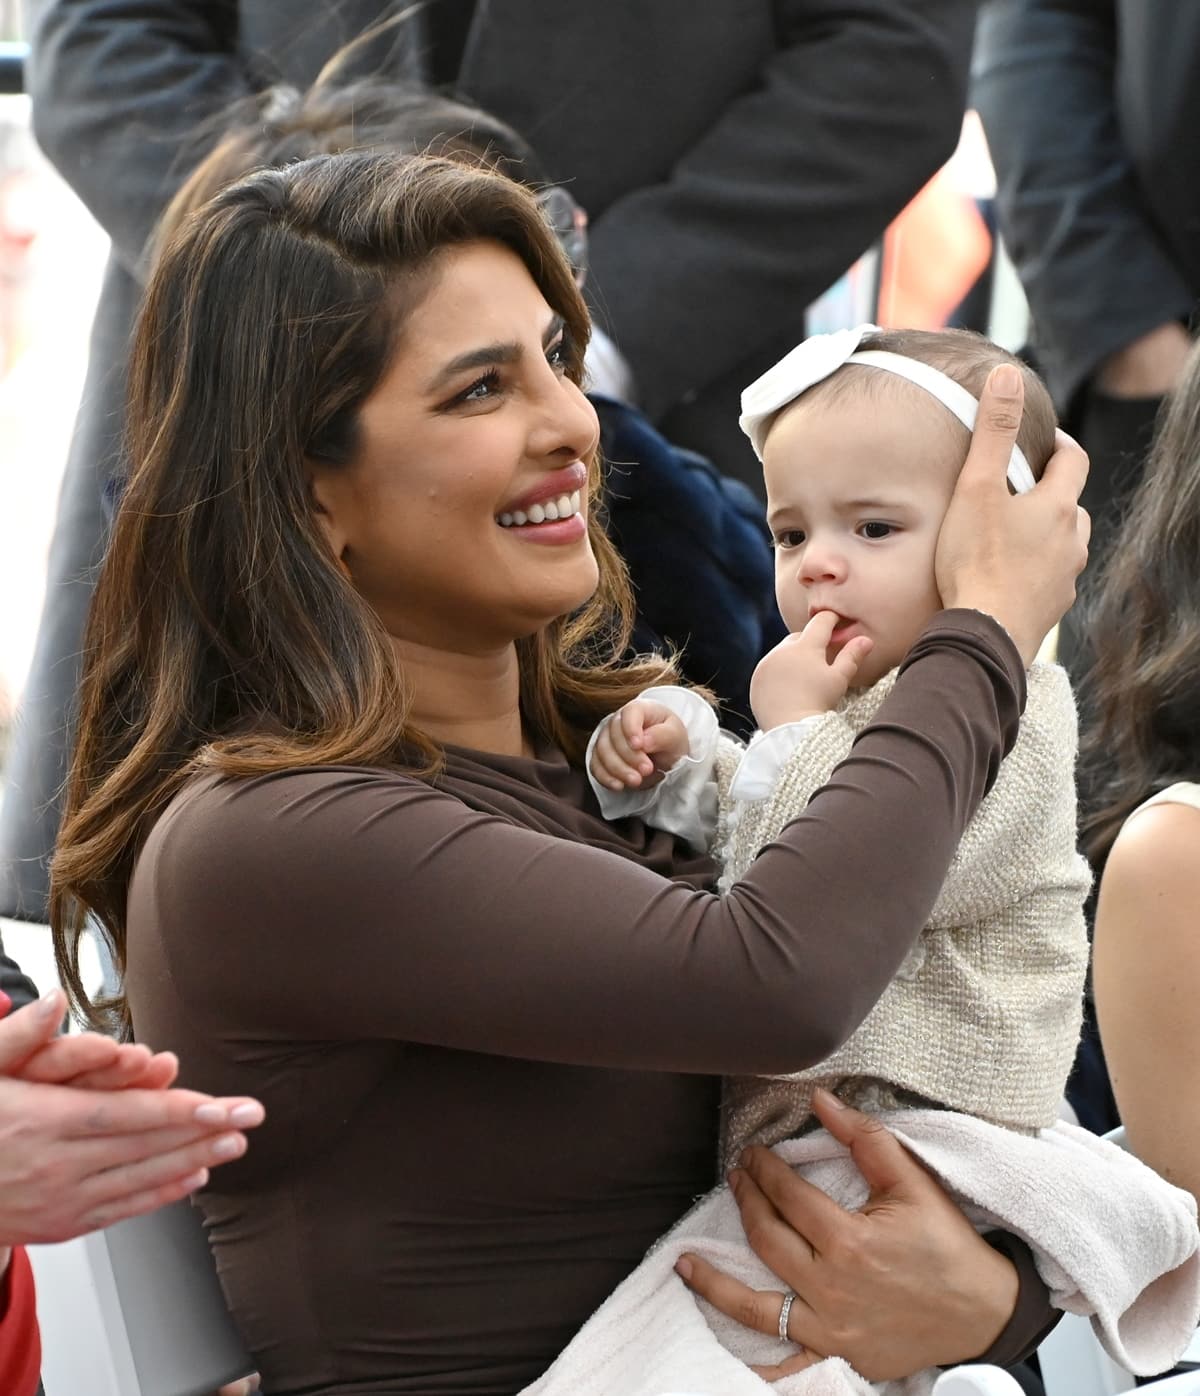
[322,498]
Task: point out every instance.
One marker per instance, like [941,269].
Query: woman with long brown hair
[356,622]
[1141,754]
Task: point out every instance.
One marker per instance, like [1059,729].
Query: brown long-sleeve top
[485,1022]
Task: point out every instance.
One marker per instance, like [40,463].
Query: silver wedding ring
[784,1312]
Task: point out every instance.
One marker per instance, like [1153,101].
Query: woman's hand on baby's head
[799,679]
[638,745]
[1015,557]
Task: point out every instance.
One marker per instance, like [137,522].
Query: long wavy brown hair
[223,636]
[1142,695]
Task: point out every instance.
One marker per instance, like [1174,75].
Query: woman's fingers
[148,1172]
[136,1204]
[799,1362]
[1067,468]
[64,1058]
[752,1308]
[147,1071]
[246,1387]
[886,1165]
[995,434]
[22,1033]
[786,1219]
[84,1115]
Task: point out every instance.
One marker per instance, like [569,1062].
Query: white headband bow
[821,355]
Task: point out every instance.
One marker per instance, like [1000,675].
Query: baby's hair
[967,358]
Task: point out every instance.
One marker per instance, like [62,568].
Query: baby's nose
[821,563]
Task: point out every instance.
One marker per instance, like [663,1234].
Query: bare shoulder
[1156,859]
[1153,874]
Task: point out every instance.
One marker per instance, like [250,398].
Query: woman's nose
[567,423]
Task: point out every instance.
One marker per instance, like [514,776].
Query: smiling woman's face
[473,428]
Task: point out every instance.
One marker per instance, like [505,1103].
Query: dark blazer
[1091,109]
[734,159]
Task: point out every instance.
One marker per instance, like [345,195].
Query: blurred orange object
[933,253]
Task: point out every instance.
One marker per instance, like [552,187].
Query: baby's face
[856,492]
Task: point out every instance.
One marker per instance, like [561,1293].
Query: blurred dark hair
[1142,618]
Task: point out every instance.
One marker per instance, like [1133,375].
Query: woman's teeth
[561,508]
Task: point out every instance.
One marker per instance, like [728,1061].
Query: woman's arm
[464,929]
[1146,972]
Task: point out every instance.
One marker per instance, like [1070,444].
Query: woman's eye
[789,538]
[874,529]
[482,388]
[559,357]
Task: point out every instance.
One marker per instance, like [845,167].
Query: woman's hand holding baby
[903,1283]
[1015,557]
[638,745]
[799,678]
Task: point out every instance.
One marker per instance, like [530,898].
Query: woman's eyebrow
[488,354]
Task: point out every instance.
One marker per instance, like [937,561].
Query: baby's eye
[789,538]
[874,529]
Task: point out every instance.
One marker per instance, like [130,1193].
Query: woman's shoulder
[1153,861]
[226,799]
[1183,792]
[215,817]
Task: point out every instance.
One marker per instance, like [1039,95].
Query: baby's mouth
[550,511]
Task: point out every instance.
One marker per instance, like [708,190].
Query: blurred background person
[733,166]
[1090,108]
[1142,828]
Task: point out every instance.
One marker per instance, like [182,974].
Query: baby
[861,435]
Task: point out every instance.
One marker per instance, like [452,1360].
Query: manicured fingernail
[228,1146]
[244,1115]
[211,1114]
[50,1006]
[1006,380]
[5,1003]
[196,1180]
[683,1268]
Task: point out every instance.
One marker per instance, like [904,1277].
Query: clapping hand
[92,1131]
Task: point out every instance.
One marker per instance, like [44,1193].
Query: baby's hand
[638,746]
[797,678]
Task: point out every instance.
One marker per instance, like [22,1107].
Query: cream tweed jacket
[985,1014]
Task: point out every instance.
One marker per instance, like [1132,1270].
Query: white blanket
[1112,1241]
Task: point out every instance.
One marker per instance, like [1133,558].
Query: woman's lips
[570,480]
